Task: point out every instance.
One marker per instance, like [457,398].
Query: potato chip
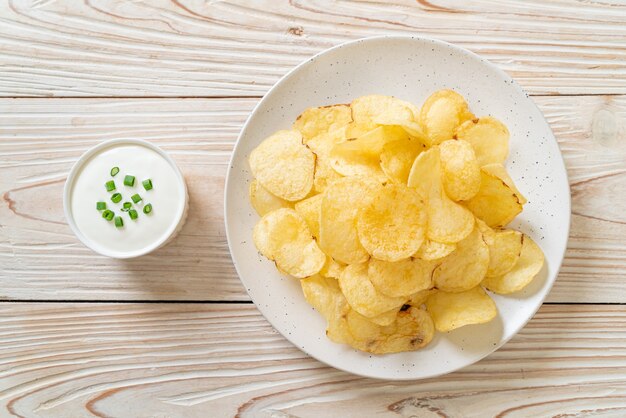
[326,297]
[355,130]
[489,138]
[397,158]
[386,318]
[361,156]
[321,145]
[448,222]
[284,166]
[461,172]
[263,201]
[318,120]
[495,203]
[361,293]
[433,250]
[332,268]
[283,236]
[391,227]
[464,268]
[527,267]
[499,171]
[340,205]
[504,245]
[412,329]
[441,113]
[454,310]
[381,110]
[401,278]
[419,298]
[310,210]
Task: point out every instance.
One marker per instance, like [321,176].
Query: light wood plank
[41,138]
[177,360]
[240,48]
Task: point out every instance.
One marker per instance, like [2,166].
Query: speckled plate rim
[310,61]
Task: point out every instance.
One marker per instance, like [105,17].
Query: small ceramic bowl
[174,222]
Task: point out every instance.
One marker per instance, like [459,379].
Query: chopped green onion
[133,214]
[101,205]
[114,171]
[147,184]
[110,185]
[129,181]
[119,222]
[136,198]
[147,209]
[108,215]
[116,198]
[126,206]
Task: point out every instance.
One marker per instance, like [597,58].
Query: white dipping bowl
[138,237]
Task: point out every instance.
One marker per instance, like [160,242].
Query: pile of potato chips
[393,217]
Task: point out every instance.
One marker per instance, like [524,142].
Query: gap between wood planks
[232,302]
[259,96]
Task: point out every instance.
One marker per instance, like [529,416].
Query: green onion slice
[136,198]
[133,214]
[119,222]
[108,215]
[110,185]
[116,198]
[129,181]
[101,205]
[126,206]
[147,209]
[114,171]
[147,184]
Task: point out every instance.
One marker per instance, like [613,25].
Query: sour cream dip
[154,212]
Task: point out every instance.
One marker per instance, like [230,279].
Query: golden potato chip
[433,250]
[263,201]
[386,318]
[361,294]
[441,113]
[461,172]
[489,138]
[495,203]
[332,268]
[504,245]
[465,267]
[412,329]
[283,165]
[283,236]
[400,278]
[527,267]
[419,298]
[355,130]
[326,297]
[448,222]
[310,209]
[454,310]
[361,156]
[321,145]
[381,110]
[318,120]
[397,158]
[391,227]
[340,205]
[498,170]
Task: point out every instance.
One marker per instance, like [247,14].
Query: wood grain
[240,48]
[181,360]
[41,138]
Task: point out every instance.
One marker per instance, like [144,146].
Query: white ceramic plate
[410,68]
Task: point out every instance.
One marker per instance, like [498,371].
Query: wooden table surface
[174,334]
